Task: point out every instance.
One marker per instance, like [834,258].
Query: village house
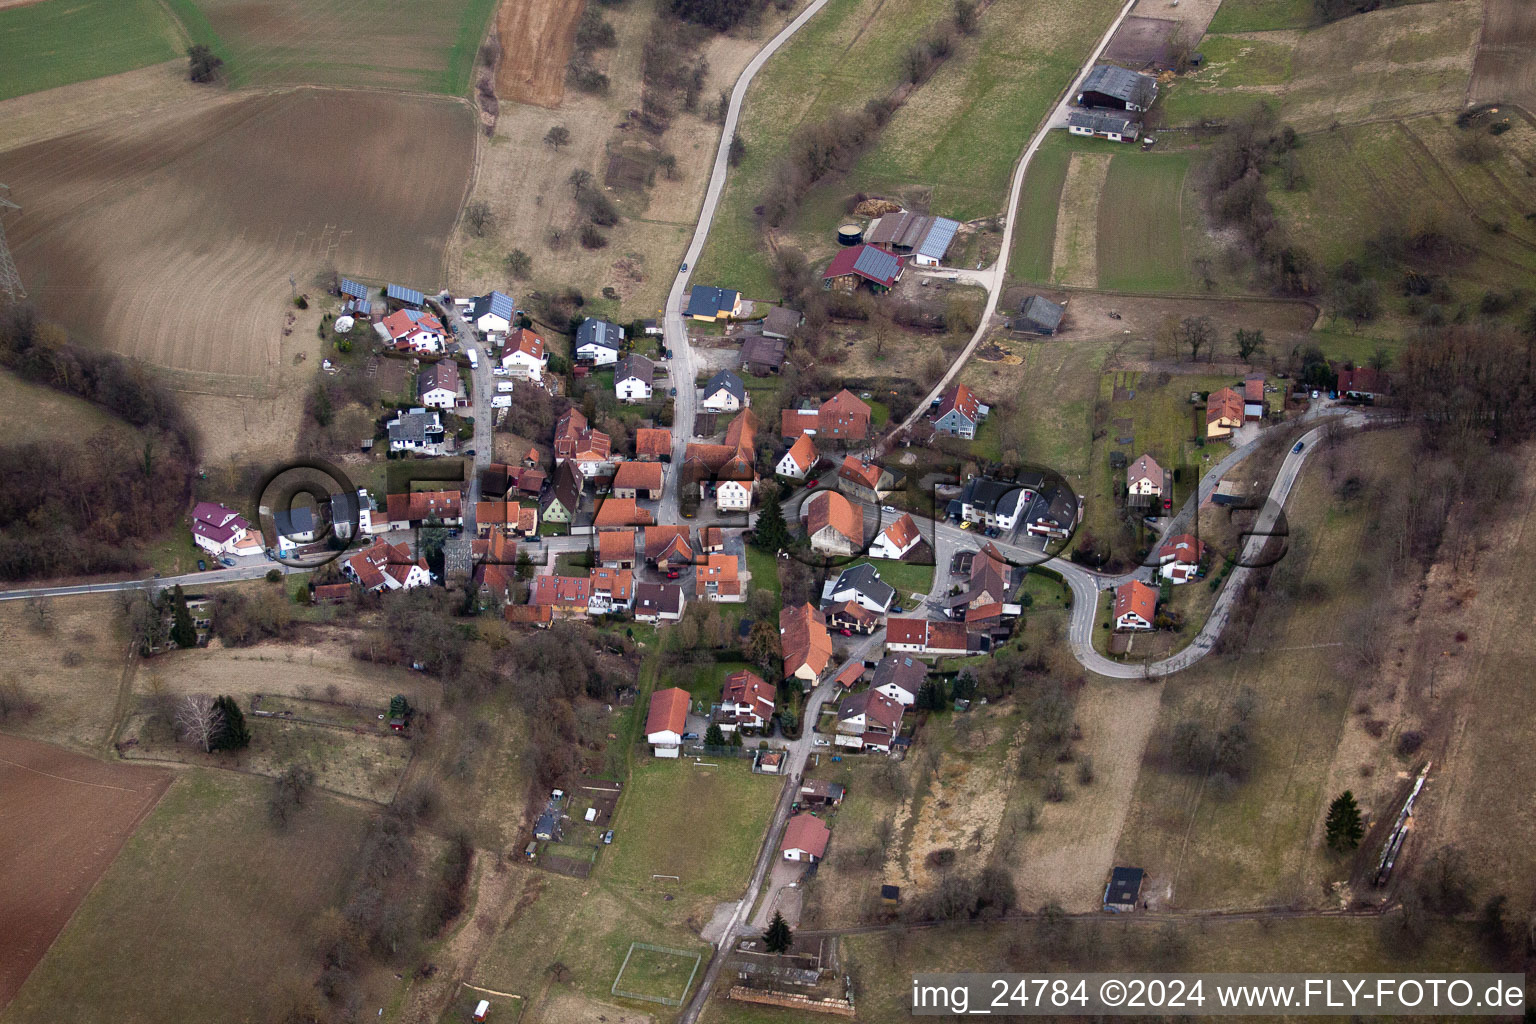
[386,566]
[864,481]
[989,583]
[418,508]
[821,793]
[576,441]
[761,355]
[658,602]
[437,385]
[796,463]
[852,617]
[616,513]
[633,377]
[710,304]
[639,480]
[724,392]
[834,524]
[896,539]
[1115,88]
[1362,383]
[598,342]
[1146,482]
[1179,558]
[413,331]
[1053,513]
[611,590]
[616,549]
[862,265]
[926,637]
[746,702]
[900,677]
[923,239]
[868,720]
[844,417]
[495,567]
[563,501]
[959,413]
[653,444]
[805,839]
[666,721]
[492,314]
[995,503]
[525,355]
[804,643]
[216,529]
[1038,315]
[1254,405]
[711,540]
[729,468]
[718,578]
[668,547]
[1103,125]
[780,322]
[417,430]
[564,596]
[862,585]
[1135,605]
[1223,413]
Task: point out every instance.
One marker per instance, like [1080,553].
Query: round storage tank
[850,234]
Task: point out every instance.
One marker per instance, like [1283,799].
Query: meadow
[68,41]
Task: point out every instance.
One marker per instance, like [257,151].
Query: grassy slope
[66,41]
[205,899]
[1140,243]
[1260,15]
[1034,231]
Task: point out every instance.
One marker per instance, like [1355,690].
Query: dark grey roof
[1124,886]
[782,321]
[636,366]
[497,303]
[985,493]
[1102,123]
[730,382]
[706,300]
[1042,312]
[763,351]
[936,243]
[409,296]
[1057,507]
[903,670]
[877,264]
[458,554]
[414,426]
[293,521]
[658,597]
[865,579]
[1127,86]
[599,332]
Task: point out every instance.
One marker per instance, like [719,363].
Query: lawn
[764,569]
[1140,243]
[708,679]
[722,811]
[416,45]
[1035,225]
[1260,15]
[57,42]
[907,577]
[204,898]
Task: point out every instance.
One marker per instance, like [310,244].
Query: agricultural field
[1260,15]
[153,937]
[951,146]
[71,665]
[66,818]
[415,45]
[1141,224]
[1395,62]
[208,296]
[1503,70]
[1034,228]
[77,40]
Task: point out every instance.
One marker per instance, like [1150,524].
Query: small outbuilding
[1039,315]
[1124,889]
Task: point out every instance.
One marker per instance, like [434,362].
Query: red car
[673,574]
[846,632]
[812,483]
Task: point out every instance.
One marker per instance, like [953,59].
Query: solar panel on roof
[352,288]
[874,263]
[939,237]
[501,305]
[409,296]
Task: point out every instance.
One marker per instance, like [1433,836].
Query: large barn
[1117,89]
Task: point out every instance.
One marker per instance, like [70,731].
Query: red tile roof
[1135,596]
[640,476]
[1224,404]
[1184,547]
[803,639]
[668,713]
[561,591]
[616,545]
[808,833]
[828,508]
[803,451]
[653,441]
[420,505]
[865,473]
[962,398]
[615,512]
[901,534]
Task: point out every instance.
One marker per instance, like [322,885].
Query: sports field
[417,45]
[57,42]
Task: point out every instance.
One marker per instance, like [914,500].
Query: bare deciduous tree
[198,719]
[478,214]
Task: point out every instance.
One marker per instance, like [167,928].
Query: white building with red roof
[386,566]
[216,529]
[1180,557]
[524,355]
[805,838]
[746,701]
[666,721]
[412,330]
[896,539]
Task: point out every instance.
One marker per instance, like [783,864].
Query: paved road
[480,387]
[992,278]
[194,579]
[674,328]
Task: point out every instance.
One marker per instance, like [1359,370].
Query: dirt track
[66,817]
[537,39]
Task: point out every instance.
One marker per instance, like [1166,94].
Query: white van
[474,359]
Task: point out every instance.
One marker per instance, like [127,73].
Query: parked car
[673,574]
[1314,396]
[1299,446]
[501,371]
[889,509]
[201,565]
[227,562]
[897,609]
[846,632]
[469,451]
[966,525]
[690,735]
[823,743]
[608,838]
[674,392]
[812,483]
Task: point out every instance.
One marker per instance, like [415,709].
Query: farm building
[616,548]
[1098,124]
[834,524]
[821,792]
[925,239]
[652,443]
[639,480]
[781,322]
[404,296]
[762,355]
[666,721]
[805,838]
[1124,889]
[1038,315]
[863,264]
[844,415]
[1117,89]
[804,643]
[1254,406]
[357,302]
[710,304]
[864,481]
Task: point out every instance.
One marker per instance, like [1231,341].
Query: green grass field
[1034,229]
[908,578]
[1260,15]
[707,679]
[723,812]
[659,973]
[1140,241]
[204,898]
[417,45]
[62,41]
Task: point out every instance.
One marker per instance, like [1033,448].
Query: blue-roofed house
[706,302]
[598,342]
[862,263]
[405,296]
[493,313]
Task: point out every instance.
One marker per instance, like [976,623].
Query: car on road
[890,509]
[668,354]
[1299,446]
[228,563]
[846,632]
[811,483]
[682,268]
[608,838]
[674,392]
[673,574]
[469,451]
[966,525]
[201,565]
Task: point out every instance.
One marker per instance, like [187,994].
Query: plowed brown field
[172,237]
[537,36]
[1505,70]
[66,817]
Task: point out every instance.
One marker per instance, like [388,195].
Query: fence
[668,950]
